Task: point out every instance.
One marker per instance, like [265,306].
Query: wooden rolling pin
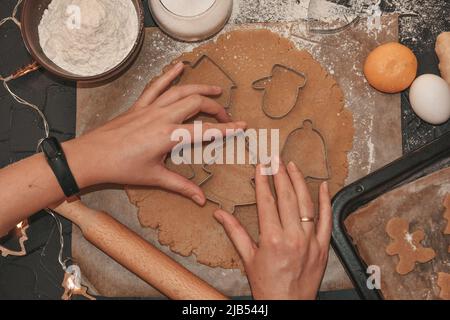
[138,255]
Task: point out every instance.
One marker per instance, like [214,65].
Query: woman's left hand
[290,258]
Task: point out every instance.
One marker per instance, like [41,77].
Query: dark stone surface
[38,275]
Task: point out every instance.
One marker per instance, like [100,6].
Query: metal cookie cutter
[321,148]
[271,86]
[227,89]
[238,193]
[185,169]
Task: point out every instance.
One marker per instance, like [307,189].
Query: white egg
[430,98]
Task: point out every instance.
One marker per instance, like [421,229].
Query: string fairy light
[72,279]
[13,16]
[22,72]
[21,230]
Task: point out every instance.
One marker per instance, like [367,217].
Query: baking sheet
[377,141]
[420,203]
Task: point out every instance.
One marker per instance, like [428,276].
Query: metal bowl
[32,12]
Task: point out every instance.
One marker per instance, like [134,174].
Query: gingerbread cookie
[447,213]
[444,283]
[407,245]
[447,216]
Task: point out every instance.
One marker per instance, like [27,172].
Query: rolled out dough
[246,56]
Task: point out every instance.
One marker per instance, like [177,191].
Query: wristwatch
[57,161]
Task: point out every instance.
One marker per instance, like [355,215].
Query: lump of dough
[443,52]
[391,67]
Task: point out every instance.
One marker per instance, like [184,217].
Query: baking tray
[359,193]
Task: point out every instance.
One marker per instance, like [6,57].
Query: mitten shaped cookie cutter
[407,245]
[220,197]
[227,91]
[322,148]
[266,85]
[22,237]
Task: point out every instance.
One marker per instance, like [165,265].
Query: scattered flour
[245,11]
[370,146]
[409,238]
[88,37]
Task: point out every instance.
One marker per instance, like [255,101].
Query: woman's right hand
[131,148]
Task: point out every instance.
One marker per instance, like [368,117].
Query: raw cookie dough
[212,74]
[307,140]
[447,213]
[406,245]
[281,89]
[247,56]
[447,216]
[444,285]
[420,203]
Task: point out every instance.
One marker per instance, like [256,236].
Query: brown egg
[391,67]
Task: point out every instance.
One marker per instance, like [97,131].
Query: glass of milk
[191,20]
[188,8]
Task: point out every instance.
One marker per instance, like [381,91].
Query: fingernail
[218,216]
[218,89]
[292,166]
[325,186]
[198,199]
[179,65]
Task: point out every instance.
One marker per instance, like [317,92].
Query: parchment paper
[421,203]
[377,141]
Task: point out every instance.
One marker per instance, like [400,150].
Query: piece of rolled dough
[247,56]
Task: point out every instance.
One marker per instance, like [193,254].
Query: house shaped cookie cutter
[228,90]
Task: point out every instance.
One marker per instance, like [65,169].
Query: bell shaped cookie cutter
[205,60]
[271,86]
[321,148]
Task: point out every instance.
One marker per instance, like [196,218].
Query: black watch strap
[57,161]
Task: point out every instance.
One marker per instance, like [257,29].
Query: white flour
[88,37]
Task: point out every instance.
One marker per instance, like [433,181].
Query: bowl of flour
[83,40]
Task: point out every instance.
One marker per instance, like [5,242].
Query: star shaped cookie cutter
[264,84]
